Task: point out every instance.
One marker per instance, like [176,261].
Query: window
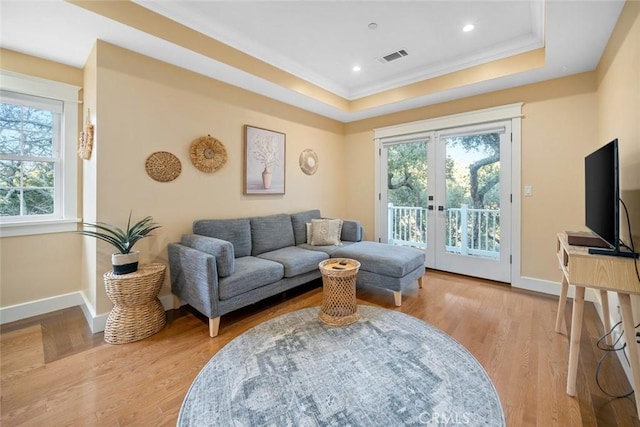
[38,165]
[29,155]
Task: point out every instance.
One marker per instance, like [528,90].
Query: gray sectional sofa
[227,264]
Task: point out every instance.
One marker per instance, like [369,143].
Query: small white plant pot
[125,263]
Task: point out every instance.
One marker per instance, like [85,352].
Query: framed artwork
[264,161]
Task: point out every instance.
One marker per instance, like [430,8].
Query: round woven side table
[137,312]
[339,306]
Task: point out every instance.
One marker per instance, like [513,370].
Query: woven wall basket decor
[308,161]
[208,154]
[85,142]
[163,166]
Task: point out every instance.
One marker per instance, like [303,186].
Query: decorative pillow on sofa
[324,232]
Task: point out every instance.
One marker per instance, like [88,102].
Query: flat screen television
[602,198]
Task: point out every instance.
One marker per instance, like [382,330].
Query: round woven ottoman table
[137,312]
[339,306]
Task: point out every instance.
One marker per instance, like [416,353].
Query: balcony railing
[468,231]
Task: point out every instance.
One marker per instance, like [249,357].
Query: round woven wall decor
[163,166]
[208,154]
[308,161]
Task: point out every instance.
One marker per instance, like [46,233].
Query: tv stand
[604,273]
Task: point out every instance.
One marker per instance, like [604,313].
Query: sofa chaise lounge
[227,264]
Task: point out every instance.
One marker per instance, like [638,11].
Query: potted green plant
[125,260]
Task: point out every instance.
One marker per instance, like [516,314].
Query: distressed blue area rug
[387,369]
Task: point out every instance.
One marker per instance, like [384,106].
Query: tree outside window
[29,135]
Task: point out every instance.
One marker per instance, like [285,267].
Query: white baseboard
[42,306]
[548,287]
[96,322]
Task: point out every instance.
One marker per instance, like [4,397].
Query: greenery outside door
[449,193]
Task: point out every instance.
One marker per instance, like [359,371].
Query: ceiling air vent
[393,56]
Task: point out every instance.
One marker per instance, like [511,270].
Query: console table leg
[574,342]
[630,336]
[562,303]
[604,297]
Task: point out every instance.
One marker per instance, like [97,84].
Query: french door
[448,192]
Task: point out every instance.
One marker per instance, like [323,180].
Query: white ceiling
[320,41]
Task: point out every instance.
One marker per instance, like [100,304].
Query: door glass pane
[473,195]
[407,194]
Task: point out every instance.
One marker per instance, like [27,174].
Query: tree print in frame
[264,161]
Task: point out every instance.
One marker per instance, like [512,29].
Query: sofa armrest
[221,249]
[194,278]
[352,230]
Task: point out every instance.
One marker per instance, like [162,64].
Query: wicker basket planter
[137,312]
[339,305]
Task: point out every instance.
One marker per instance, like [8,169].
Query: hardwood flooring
[54,372]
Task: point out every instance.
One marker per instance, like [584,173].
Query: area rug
[387,369]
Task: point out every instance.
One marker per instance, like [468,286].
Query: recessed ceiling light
[373,26]
[468,27]
[356,68]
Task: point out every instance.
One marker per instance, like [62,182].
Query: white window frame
[66,218]
[420,128]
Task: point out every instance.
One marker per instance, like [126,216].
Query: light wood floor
[54,372]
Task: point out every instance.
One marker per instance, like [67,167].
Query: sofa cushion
[325,232]
[389,282]
[382,258]
[299,221]
[251,273]
[236,231]
[329,249]
[221,249]
[269,233]
[351,230]
[296,260]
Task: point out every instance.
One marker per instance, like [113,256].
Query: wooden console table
[604,273]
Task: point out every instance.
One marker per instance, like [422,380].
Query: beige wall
[140,106]
[146,106]
[558,128]
[90,274]
[619,107]
[37,267]
[47,265]
[619,117]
